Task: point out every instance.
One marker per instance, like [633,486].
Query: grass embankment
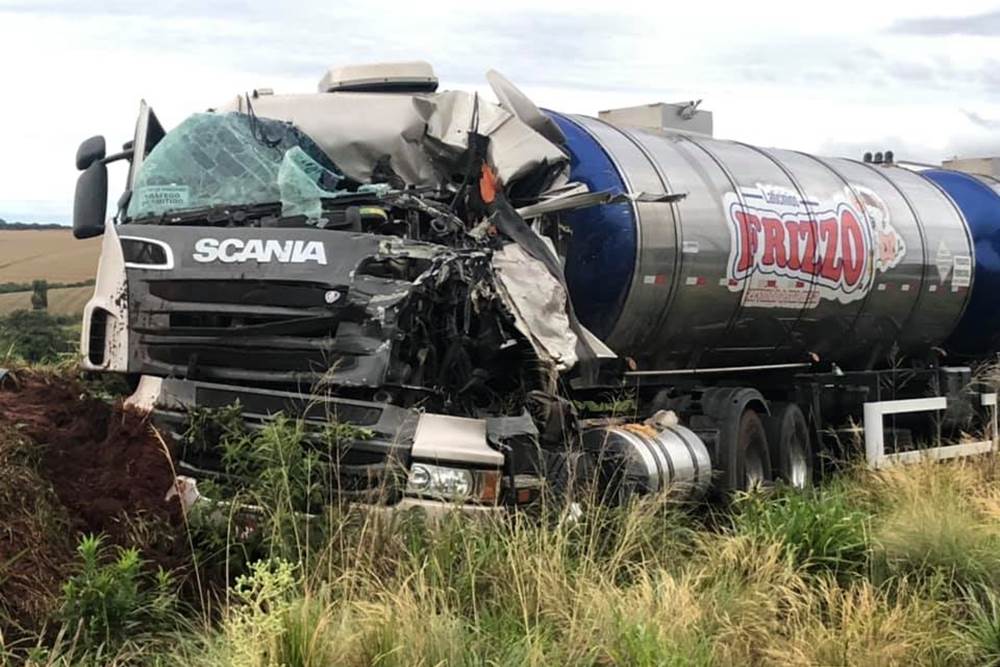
[900,567]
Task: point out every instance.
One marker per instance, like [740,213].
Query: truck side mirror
[91,201]
[90,151]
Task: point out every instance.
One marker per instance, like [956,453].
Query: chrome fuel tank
[772,256]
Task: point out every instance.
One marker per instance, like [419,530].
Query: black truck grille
[243,292]
[254,332]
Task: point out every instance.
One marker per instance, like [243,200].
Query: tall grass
[892,568]
[936,523]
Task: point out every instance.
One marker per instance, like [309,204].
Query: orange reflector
[489,486]
[487,185]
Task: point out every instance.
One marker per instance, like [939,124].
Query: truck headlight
[453,483]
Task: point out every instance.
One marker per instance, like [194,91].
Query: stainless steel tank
[772,256]
[670,458]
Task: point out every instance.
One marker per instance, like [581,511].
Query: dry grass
[861,625]
[53,255]
[736,600]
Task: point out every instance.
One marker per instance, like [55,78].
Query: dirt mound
[95,467]
[101,460]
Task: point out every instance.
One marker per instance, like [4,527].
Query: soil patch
[72,464]
[101,460]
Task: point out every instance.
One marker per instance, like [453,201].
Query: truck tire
[752,457]
[791,448]
[741,450]
[570,477]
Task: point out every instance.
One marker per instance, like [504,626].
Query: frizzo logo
[258,250]
[794,252]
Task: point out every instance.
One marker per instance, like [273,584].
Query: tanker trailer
[508,299]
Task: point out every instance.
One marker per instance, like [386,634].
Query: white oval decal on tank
[789,252]
[231,251]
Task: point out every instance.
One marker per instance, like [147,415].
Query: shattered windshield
[231,159]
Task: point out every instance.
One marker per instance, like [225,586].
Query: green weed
[110,598]
[822,530]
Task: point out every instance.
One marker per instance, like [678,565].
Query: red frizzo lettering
[774,243]
[830,263]
[852,248]
[748,225]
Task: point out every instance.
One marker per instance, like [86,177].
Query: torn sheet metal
[565,202]
[540,248]
[513,100]
[359,128]
[515,149]
[538,302]
[420,134]
[576,195]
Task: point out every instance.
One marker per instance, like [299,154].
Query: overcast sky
[921,78]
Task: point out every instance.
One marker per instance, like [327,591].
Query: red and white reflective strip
[733,282]
[655,279]
[691,281]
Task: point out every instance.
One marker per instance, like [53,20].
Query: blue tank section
[978,332]
[601,254]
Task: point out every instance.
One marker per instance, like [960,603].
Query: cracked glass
[212,160]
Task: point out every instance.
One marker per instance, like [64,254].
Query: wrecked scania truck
[507,298]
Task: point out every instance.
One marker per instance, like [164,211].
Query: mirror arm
[114,157]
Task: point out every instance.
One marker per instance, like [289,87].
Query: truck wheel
[570,476]
[741,452]
[791,449]
[753,463]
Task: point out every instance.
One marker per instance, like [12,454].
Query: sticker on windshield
[162,197]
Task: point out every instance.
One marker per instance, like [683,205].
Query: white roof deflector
[407,77]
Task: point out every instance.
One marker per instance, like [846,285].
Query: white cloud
[822,77]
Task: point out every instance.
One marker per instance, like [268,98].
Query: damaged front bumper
[409,459]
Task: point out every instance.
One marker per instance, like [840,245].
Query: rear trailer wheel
[752,457]
[791,449]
